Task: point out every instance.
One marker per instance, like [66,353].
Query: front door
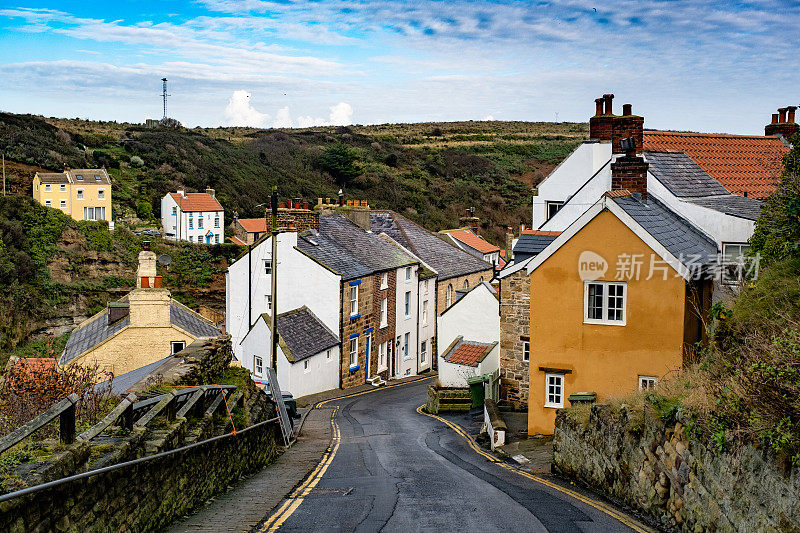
[208,239]
[369,350]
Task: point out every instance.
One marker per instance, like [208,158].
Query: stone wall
[368,317]
[145,496]
[515,327]
[679,482]
[445,399]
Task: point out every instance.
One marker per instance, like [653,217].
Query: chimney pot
[627,109]
[608,100]
[790,113]
[305,206]
[781,114]
[598,106]
[774,118]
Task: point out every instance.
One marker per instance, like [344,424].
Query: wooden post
[66,424]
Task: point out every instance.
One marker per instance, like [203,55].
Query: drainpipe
[274,280]
[249,286]
[418,302]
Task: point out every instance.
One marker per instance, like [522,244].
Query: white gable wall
[301,281]
[406,365]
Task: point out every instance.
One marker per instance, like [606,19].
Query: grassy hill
[431,172]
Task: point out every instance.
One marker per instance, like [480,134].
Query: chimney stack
[783,123]
[601,123]
[341,197]
[146,276]
[607,101]
[211,192]
[598,103]
[629,171]
[471,221]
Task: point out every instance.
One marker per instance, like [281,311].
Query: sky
[694,65]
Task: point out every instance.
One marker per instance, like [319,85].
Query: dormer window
[79,177]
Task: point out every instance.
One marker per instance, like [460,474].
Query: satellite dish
[164,259]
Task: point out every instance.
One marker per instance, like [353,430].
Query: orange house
[615,303]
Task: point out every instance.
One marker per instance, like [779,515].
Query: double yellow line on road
[300,493]
[600,506]
[296,498]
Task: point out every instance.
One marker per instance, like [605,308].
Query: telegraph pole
[274,280]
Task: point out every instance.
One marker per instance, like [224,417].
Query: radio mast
[164,94]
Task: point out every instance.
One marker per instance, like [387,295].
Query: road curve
[390,468]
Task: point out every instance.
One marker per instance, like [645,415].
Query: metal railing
[203,400]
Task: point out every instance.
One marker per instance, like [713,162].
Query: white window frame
[382,356]
[466,284]
[647,382]
[558,397]
[423,346]
[407,302]
[604,320]
[384,312]
[258,366]
[63,204]
[406,351]
[101,194]
[216,238]
[353,300]
[79,194]
[175,344]
[425,312]
[48,187]
[48,203]
[216,221]
[328,355]
[63,188]
[354,352]
[384,281]
[408,274]
[449,295]
[200,222]
[268,302]
[526,351]
[306,367]
[549,206]
[736,265]
[268,266]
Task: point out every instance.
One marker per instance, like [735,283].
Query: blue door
[208,239]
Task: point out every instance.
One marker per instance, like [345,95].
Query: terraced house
[193,216]
[359,285]
[82,194]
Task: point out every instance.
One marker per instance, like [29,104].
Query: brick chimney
[629,171]
[509,244]
[296,217]
[211,192]
[783,123]
[471,221]
[600,123]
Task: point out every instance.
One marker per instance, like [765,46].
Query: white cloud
[240,112]
[488,117]
[283,119]
[341,115]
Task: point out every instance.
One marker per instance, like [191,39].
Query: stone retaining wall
[444,399]
[681,483]
[146,496]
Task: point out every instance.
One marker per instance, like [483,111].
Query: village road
[397,470]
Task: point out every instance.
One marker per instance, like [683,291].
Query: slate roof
[350,251]
[682,239]
[196,201]
[733,205]
[531,243]
[749,164]
[93,333]
[466,236]
[190,322]
[682,176]
[253,225]
[304,334]
[468,353]
[89,175]
[120,384]
[90,335]
[53,177]
[446,259]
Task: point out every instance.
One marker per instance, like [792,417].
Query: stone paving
[244,506]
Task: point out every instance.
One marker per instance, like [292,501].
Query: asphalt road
[393,469]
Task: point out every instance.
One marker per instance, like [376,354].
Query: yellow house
[615,303]
[144,327]
[82,194]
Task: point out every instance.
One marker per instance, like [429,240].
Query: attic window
[79,177]
[97,177]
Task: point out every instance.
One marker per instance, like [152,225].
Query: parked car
[149,232]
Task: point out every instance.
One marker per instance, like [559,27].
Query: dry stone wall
[681,483]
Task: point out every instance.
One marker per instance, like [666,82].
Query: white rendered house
[469,336]
[194,217]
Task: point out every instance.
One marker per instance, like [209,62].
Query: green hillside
[431,172]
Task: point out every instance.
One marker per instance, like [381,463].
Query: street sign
[277,397]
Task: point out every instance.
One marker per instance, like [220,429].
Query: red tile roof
[237,240]
[749,164]
[196,201]
[468,353]
[254,225]
[622,193]
[473,241]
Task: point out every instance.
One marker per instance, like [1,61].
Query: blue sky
[693,65]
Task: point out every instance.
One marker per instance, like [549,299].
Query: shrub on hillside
[137,162]
[340,162]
